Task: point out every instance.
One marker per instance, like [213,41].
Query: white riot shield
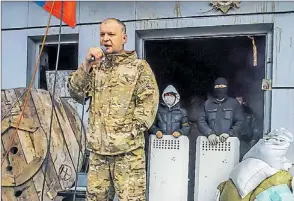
[168,168]
[213,166]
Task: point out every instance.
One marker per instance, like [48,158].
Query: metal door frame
[216,32]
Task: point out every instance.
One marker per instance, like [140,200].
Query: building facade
[24,23]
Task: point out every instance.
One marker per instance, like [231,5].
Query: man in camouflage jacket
[124,100]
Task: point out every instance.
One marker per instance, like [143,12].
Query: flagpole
[52,98]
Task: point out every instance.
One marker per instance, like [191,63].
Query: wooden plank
[8,194]
[58,150]
[16,160]
[70,138]
[70,101]
[4,104]
[11,97]
[75,123]
[19,164]
[27,145]
[26,192]
[52,178]
[7,176]
[34,145]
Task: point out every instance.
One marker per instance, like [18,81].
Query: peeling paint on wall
[177,9]
[278,39]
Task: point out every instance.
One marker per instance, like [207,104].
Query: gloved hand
[159,134]
[213,139]
[223,137]
[176,134]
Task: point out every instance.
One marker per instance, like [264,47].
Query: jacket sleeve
[202,122]
[79,84]
[185,126]
[238,121]
[154,128]
[256,132]
[146,98]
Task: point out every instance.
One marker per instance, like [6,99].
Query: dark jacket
[221,117]
[250,130]
[169,120]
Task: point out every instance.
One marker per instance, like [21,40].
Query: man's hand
[159,134]
[176,134]
[223,137]
[95,52]
[213,139]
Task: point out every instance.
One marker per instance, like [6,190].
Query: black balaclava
[220,93]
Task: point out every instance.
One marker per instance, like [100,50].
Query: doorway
[68,60]
[192,65]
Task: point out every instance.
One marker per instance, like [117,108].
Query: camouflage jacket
[124,100]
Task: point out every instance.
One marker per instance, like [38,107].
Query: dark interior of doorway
[192,65]
[68,60]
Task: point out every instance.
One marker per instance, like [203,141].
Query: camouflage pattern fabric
[124,102]
[126,171]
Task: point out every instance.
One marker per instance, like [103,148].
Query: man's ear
[125,38]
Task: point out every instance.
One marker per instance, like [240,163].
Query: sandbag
[277,193]
[292,184]
[272,149]
[248,174]
[228,191]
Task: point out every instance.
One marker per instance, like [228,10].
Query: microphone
[103,48]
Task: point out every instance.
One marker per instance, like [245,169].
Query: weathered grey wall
[30,19]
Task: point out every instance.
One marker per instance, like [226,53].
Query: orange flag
[69,10]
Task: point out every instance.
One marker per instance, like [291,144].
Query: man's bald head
[123,26]
[113,35]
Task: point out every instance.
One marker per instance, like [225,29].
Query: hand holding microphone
[93,57]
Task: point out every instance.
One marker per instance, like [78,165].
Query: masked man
[124,100]
[171,118]
[250,133]
[220,117]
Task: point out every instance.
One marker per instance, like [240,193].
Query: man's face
[112,36]
[169,99]
[240,100]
